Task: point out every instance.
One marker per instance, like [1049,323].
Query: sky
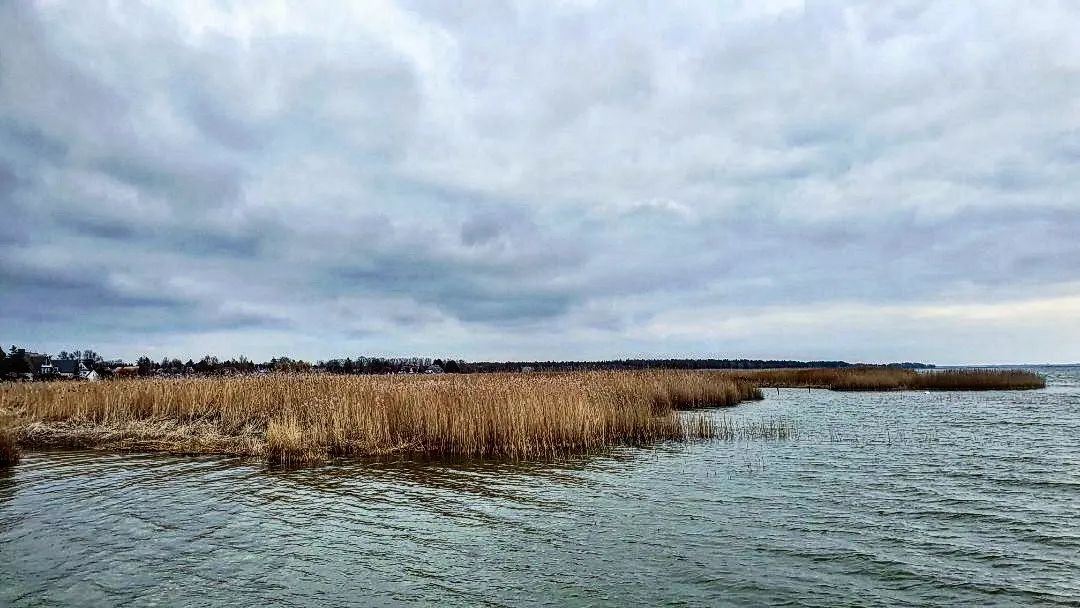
[866,181]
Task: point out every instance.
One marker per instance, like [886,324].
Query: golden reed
[884,379]
[297,418]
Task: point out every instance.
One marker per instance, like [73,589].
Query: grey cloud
[228,130]
[7,181]
[99,227]
[59,295]
[488,224]
[190,184]
[480,292]
[83,298]
[30,143]
[552,176]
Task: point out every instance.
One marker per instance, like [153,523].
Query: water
[883,499]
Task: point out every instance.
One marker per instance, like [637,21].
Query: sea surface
[883,499]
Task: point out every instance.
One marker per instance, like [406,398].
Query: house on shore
[25,365]
[23,361]
[73,369]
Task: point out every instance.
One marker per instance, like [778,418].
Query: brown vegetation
[883,379]
[296,418]
[9,451]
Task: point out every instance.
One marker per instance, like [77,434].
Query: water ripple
[885,498]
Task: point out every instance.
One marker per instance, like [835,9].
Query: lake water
[883,499]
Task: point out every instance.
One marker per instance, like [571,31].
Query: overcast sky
[779,179]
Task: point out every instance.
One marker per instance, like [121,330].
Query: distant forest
[630,364]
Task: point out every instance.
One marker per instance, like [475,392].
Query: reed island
[295,418]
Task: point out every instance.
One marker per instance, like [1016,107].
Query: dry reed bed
[300,418]
[883,379]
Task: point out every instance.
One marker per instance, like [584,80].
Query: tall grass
[774,428]
[883,379]
[289,419]
[979,379]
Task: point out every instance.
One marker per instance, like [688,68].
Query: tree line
[685,364]
[21,361]
[360,365]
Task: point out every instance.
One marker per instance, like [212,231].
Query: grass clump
[286,445]
[980,380]
[769,429]
[293,419]
[9,450]
[687,391]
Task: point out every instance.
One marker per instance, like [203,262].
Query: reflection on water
[884,498]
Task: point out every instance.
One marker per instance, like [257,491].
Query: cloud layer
[818,179]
